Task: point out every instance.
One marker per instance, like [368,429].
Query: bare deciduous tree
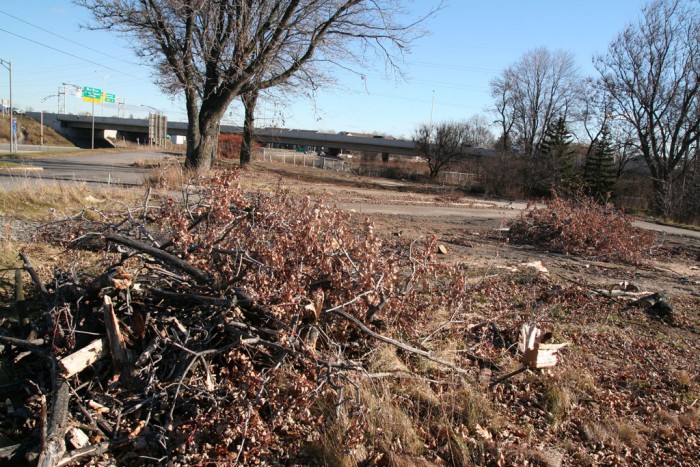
[441,144]
[503,94]
[478,134]
[652,73]
[215,51]
[528,95]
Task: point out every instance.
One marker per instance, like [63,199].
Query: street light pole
[77,89]
[13,136]
[42,115]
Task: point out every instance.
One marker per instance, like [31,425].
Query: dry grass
[170,174]
[32,200]
[631,433]
[389,426]
[469,406]
[51,138]
[558,401]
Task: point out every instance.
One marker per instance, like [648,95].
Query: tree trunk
[662,199]
[202,151]
[203,129]
[250,100]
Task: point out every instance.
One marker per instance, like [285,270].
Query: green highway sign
[92,94]
[109,98]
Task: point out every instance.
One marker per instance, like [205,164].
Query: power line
[456,67]
[64,38]
[70,54]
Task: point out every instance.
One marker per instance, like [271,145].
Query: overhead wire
[71,55]
[65,38]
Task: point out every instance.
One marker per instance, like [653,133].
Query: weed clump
[582,227]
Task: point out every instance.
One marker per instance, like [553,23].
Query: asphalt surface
[108,168]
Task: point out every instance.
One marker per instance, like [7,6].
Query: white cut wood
[535,354]
[77,438]
[83,358]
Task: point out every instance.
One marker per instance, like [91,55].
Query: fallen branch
[21,306]
[36,279]
[157,253]
[401,345]
[507,376]
[121,357]
[34,346]
[88,451]
[193,298]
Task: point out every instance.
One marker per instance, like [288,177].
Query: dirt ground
[471,228]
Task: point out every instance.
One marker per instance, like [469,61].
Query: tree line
[643,105]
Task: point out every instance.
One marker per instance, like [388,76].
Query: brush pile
[213,328]
[226,328]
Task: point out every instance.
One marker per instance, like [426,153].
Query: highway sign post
[96,95]
[92,95]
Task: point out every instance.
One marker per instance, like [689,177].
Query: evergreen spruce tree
[599,172]
[559,156]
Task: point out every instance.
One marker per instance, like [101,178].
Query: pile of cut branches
[229,318]
[583,227]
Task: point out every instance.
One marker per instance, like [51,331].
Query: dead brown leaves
[584,228]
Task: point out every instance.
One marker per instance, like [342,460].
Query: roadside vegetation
[317,337]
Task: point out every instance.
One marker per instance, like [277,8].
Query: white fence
[458,178]
[284,156]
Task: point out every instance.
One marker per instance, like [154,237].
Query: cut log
[121,357]
[83,358]
[77,438]
[536,354]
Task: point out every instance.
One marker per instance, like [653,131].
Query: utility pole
[13,126]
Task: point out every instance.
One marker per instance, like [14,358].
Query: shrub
[582,227]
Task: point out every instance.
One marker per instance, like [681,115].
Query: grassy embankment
[51,138]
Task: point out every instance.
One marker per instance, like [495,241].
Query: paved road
[111,168]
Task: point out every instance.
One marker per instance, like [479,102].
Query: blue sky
[470,42]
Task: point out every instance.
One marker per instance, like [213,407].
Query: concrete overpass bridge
[78,129]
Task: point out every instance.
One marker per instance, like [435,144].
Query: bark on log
[199,275]
[55,445]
